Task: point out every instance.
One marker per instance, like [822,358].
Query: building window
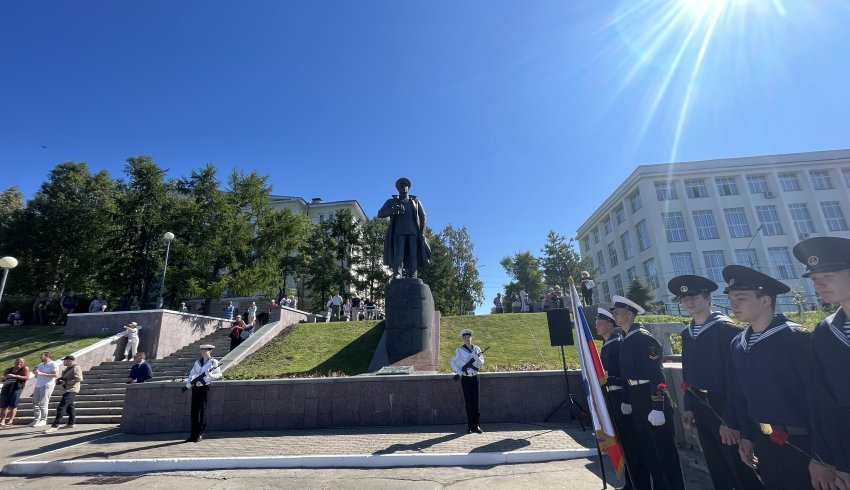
[612,254]
[833,215]
[651,273]
[321,218]
[736,220]
[781,260]
[846,172]
[802,219]
[714,264]
[586,242]
[643,236]
[726,186]
[789,182]
[695,188]
[631,272]
[595,234]
[747,257]
[618,285]
[769,220]
[601,258]
[606,293]
[674,225]
[665,191]
[634,199]
[705,225]
[607,224]
[757,184]
[626,241]
[820,180]
[621,214]
[682,263]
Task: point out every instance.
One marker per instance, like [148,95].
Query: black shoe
[191,439]
[469,431]
[478,430]
[198,439]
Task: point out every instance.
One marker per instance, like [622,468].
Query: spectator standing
[346,310]
[523,297]
[140,371]
[586,285]
[70,380]
[292,302]
[252,313]
[370,309]
[183,307]
[39,308]
[69,304]
[336,306]
[497,303]
[355,308]
[45,382]
[228,310]
[96,305]
[131,331]
[236,333]
[13,384]
[14,319]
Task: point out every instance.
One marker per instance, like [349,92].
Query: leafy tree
[468,288]
[560,260]
[322,271]
[640,293]
[348,240]
[524,268]
[11,203]
[439,274]
[373,276]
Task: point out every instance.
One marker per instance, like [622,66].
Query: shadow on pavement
[113,454]
[503,446]
[87,435]
[419,445]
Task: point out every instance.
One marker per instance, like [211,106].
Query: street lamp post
[6,263]
[167,237]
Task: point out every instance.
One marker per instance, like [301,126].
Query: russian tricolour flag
[593,376]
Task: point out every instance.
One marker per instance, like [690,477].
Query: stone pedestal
[409,318]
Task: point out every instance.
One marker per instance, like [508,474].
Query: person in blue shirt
[708,382]
[827,261]
[648,402]
[228,310]
[140,371]
[773,365]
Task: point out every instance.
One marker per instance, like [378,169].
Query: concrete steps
[101,397]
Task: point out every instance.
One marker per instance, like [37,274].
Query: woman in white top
[131,331]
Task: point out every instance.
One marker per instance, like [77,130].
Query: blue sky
[510,117]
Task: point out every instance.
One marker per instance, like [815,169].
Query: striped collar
[836,323]
[780,323]
[636,330]
[713,318]
[614,338]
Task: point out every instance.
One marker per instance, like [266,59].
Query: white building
[698,217]
[317,210]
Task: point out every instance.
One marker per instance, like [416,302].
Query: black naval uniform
[200,378]
[831,421]
[617,392]
[707,368]
[640,365]
[775,378]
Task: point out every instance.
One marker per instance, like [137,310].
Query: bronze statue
[405,246]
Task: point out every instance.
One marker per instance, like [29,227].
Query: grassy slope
[314,349]
[30,341]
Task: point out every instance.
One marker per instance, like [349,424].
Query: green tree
[322,271]
[11,203]
[348,240]
[439,274]
[468,288]
[640,293]
[524,268]
[373,276]
[560,260]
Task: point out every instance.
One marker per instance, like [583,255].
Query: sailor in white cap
[466,362]
[203,373]
[640,366]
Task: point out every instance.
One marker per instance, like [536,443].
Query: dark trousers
[658,444]
[588,297]
[198,413]
[470,398]
[637,474]
[66,403]
[781,466]
[724,464]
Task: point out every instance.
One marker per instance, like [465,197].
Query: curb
[113,466]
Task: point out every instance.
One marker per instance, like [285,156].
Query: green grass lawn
[30,341]
[314,349]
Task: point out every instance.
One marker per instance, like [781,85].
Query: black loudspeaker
[560,327]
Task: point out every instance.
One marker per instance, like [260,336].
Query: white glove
[656,418]
[626,408]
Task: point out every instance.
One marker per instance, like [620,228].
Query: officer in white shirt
[203,373]
[466,362]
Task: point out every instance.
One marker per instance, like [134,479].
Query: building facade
[318,210]
[698,217]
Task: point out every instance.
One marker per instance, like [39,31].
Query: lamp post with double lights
[6,263]
[168,237]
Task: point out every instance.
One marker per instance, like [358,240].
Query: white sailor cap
[466,331]
[604,314]
[623,302]
[133,324]
[207,347]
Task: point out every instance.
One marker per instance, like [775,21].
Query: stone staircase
[101,396]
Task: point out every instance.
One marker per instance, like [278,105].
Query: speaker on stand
[561,334]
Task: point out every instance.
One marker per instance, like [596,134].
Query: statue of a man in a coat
[405,246]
